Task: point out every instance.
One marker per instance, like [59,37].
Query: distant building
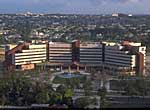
[120,15]
[115,14]
[125,57]
[130,15]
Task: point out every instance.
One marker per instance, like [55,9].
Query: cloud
[116,1]
[75,6]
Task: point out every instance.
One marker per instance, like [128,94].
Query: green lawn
[61,80]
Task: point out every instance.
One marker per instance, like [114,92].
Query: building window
[143,49]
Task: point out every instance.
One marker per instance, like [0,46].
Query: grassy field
[60,80]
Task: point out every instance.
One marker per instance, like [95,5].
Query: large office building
[2,58]
[91,53]
[59,55]
[124,57]
[25,56]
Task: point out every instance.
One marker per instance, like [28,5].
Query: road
[128,101]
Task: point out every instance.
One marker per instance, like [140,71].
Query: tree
[19,90]
[68,97]
[82,102]
[42,97]
[73,82]
[87,88]
[68,93]
[24,29]
[3,100]
[61,89]
[102,93]
[138,87]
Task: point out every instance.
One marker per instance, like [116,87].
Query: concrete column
[78,68]
[61,68]
[102,84]
[69,69]
[85,68]
[107,85]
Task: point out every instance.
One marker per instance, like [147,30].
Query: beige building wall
[32,55]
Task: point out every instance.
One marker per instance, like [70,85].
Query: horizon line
[45,13]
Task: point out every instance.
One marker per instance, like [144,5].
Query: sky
[76,6]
